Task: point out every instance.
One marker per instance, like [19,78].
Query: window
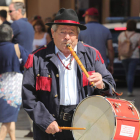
[119,8]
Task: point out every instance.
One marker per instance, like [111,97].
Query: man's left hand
[97,79]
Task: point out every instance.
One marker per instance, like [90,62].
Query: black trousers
[65,134]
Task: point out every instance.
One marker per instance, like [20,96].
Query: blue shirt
[9,61]
[96,35]
[23,33]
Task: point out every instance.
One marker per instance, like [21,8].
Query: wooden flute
[79,63]
[83,68]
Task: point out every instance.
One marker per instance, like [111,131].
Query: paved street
[22,125]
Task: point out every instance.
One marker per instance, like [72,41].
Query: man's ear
[19,10]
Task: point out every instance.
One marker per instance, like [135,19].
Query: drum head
[96,115]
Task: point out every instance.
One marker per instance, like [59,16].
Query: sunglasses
[10,11]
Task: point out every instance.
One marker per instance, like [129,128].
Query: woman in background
[10,81]
[131,63]
[41,37]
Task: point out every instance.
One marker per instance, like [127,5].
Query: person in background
[37,17]
[54,84]
[22,29]
[48,29]
[41,37]
[130,64]
[48,19]
[98,36]
[33,18]
[10,82]
[3,17]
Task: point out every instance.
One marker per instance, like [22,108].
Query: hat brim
[81,26]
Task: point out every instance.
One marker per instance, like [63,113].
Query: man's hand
[53,128]
[97,79]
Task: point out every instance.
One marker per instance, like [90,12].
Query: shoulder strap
[129,36]
[17,50]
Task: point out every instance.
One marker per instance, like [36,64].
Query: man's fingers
[97,79]
[52,128]
[94,78]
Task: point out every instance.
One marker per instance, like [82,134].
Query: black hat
[67,17]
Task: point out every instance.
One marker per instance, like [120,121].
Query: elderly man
[54,84]
[23,30]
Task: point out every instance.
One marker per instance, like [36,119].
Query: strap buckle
[66,116]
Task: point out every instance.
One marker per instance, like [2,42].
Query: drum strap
[114,92]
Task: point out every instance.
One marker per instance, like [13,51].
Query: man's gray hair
[19,5]
[55,26]
[6,33]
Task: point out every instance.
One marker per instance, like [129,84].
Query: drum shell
[127,119]
[119,119]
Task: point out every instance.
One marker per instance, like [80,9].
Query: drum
[106,119]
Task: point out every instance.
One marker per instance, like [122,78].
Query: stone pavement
[22,125]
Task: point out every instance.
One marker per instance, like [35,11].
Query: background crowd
[29,35]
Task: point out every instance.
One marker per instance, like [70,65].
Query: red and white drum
[106,119]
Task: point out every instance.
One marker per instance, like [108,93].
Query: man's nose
[67,36]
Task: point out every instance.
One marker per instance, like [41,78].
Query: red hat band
[66,21]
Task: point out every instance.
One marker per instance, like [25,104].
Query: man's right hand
[53,128]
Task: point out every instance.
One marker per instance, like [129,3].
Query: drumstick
[71,128]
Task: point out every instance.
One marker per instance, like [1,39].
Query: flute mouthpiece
[68,45]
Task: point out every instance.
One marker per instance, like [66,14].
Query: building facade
[106,8]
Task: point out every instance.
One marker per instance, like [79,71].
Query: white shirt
[67,79]
[39,42]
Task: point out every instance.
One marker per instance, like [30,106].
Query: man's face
[63,35]
[12,12]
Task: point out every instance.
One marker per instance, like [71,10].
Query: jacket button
[57,75]
[56,95]
[49,75]
[45,45]
[38,74]
[53,115]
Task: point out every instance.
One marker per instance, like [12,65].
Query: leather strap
[129,36]
[65,116]
[17,50]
